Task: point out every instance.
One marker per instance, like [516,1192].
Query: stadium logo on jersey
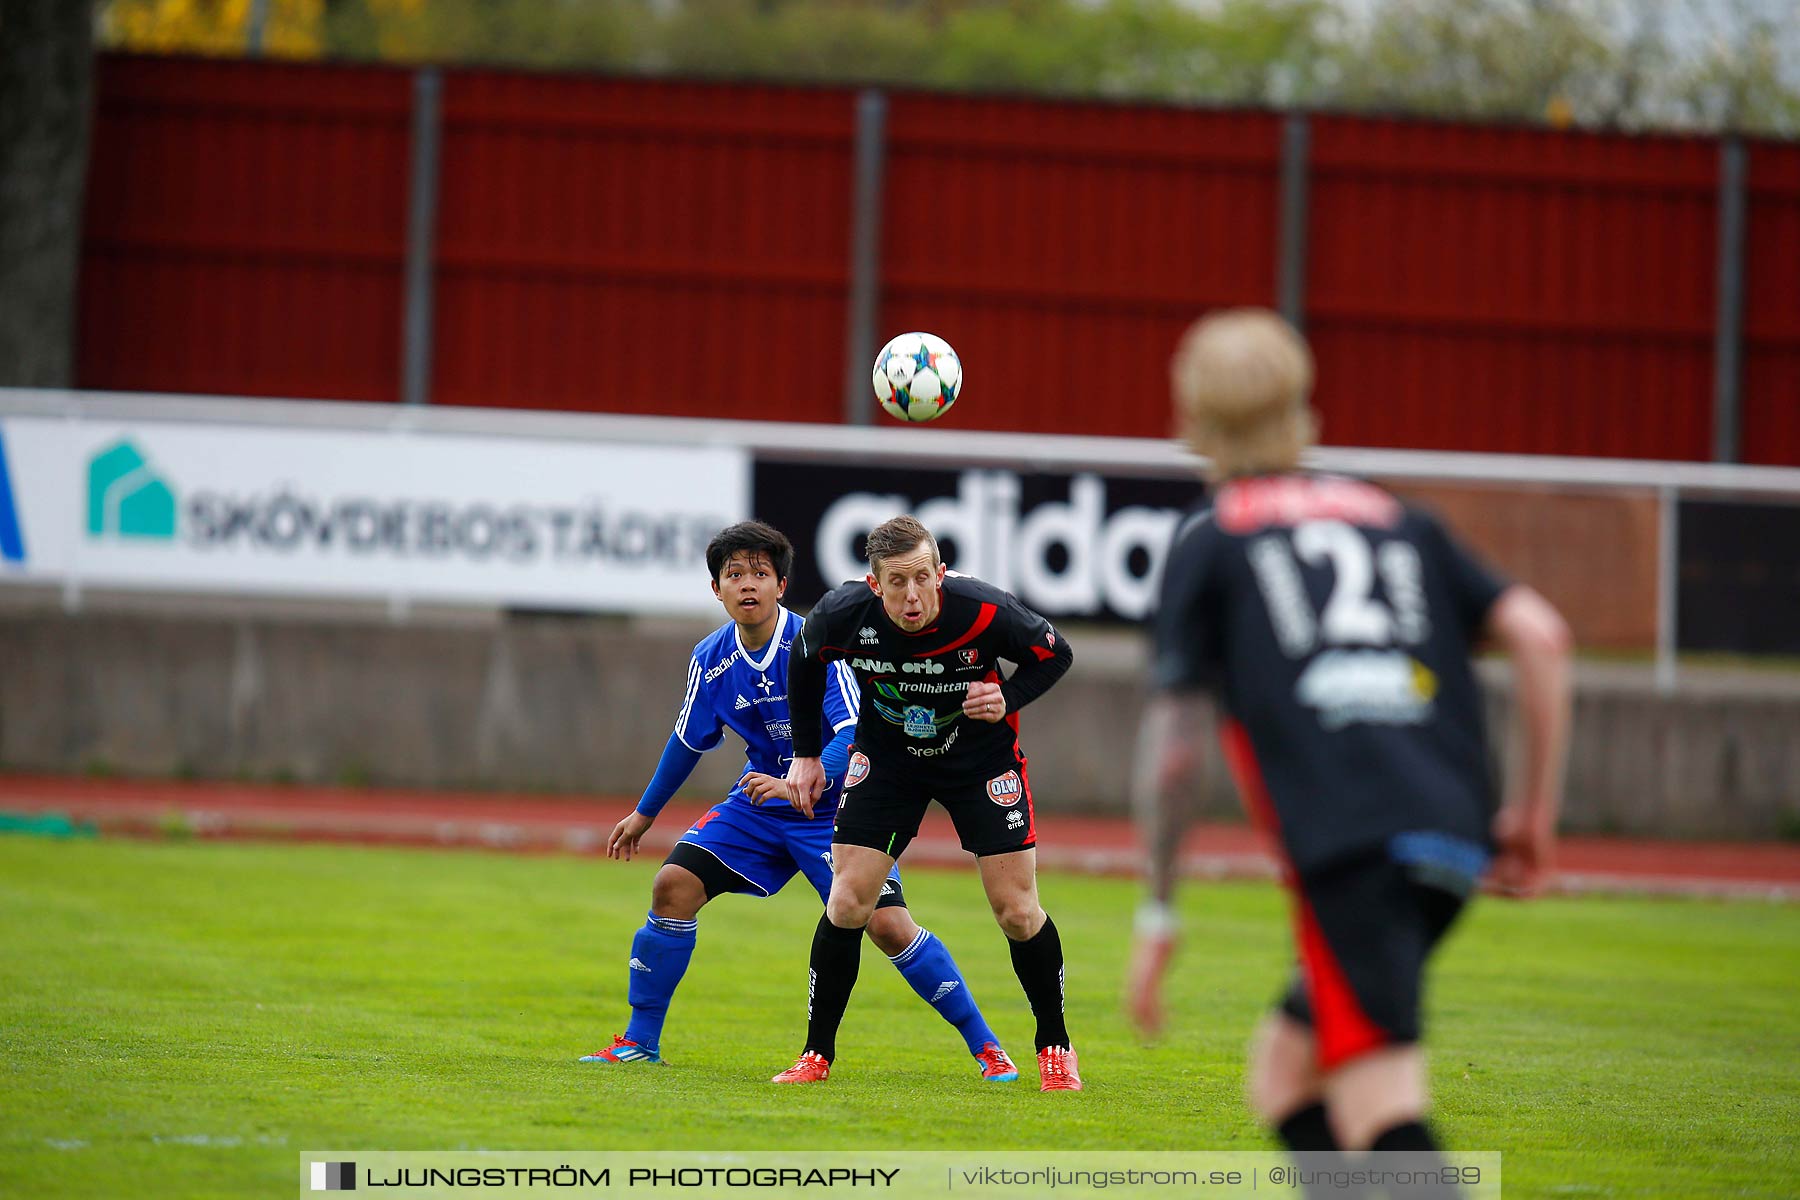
[741,703]
[722,667]
[919,721]
[1368,687]
[868,635]
[859,769]
[1006,790]
[969,657]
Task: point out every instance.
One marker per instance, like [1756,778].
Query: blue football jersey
[730,688]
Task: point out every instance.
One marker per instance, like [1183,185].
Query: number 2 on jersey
[1352,615]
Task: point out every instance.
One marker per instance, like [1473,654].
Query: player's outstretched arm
[677,763]
[1170,763]
[1537,638]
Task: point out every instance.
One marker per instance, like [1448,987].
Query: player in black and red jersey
[938,721]
[1333,624]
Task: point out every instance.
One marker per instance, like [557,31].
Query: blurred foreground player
[1333,624]
[938,722]
[755,841]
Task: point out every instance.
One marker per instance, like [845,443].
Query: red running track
[1768,870]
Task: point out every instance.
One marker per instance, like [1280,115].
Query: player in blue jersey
[757,839]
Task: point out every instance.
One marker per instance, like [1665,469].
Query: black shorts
[1365,929]
[884,802]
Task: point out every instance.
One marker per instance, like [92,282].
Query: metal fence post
[256,28]
[1728,323]
[421,236]
[1290,232]
[1668,576]
[865,254]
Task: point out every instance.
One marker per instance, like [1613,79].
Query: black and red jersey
[913,684]
[1335,624]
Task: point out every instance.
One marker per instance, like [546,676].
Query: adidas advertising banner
[1071,545]
[424,517]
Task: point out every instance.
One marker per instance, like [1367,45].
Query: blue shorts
[766,850]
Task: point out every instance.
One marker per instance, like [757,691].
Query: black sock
[1038,962]
[1307,1129]
[1423,1159]
[1307,1134]
[836,954]
[1408,1135]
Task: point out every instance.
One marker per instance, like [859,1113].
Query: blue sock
[659,958]
[928,967]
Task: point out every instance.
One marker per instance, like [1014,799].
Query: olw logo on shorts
[1006,790]
[859,769]
[125,498]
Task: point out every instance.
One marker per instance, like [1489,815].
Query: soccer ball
[917,377]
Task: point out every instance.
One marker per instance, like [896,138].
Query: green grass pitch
[184,1018]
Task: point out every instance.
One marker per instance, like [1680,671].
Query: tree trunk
[46,82]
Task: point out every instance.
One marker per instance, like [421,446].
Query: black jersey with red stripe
[1335,624]
[913,684]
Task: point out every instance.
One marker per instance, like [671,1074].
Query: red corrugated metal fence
[245,229]
[1512,290]
[1062,248]
[654,247]
[643,247]
[1771,428]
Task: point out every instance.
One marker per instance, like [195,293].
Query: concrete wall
[579,704]
[1592,553]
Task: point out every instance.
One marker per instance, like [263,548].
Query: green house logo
[125,498]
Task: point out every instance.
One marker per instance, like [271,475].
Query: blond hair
[896,536]
[1241,380]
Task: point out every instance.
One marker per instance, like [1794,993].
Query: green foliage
[1487,60]
[1240,51]
[1631,63]
[558,33]
[184,1018]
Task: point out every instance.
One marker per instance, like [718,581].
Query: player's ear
[716,595]
[943,569]
[780,588]
[874,584]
